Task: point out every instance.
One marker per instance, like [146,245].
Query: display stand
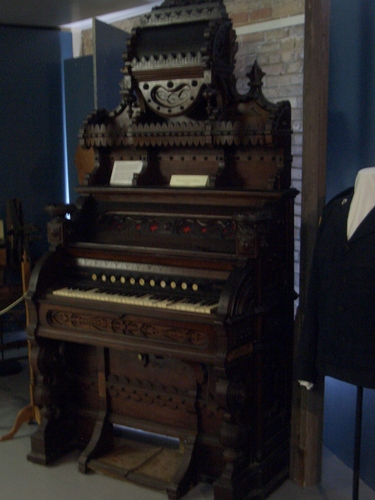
[357,442]
[20,235]
[31,411]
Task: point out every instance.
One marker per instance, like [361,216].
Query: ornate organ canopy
[179,90]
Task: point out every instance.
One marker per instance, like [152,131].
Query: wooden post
[307,413]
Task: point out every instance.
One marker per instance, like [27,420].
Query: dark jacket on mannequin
[338,333]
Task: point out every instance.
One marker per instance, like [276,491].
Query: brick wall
[279,52]
[271,32]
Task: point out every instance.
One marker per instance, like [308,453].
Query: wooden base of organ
[167,396]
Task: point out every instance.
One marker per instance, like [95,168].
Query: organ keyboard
[166,310]
[144,285]
[143,300]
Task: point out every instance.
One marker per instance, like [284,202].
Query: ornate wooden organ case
[161,319]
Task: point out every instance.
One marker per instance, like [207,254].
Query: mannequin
[338,332]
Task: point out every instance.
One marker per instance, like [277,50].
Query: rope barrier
[13,304]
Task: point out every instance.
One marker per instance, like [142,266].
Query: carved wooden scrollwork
[171,97]
[120,325]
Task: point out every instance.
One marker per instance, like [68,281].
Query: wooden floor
[20,478]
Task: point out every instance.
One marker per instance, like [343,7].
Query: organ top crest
[179,91]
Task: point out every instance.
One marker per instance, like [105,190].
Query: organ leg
[56,433]
[231,395]
[102,437]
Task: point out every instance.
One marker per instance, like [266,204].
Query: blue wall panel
[92,82]
[79,103]
[31,141]
[351,105]
[109,45]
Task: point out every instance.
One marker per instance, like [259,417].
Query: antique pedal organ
[161,319]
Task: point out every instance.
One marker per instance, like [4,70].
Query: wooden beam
[307,413]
